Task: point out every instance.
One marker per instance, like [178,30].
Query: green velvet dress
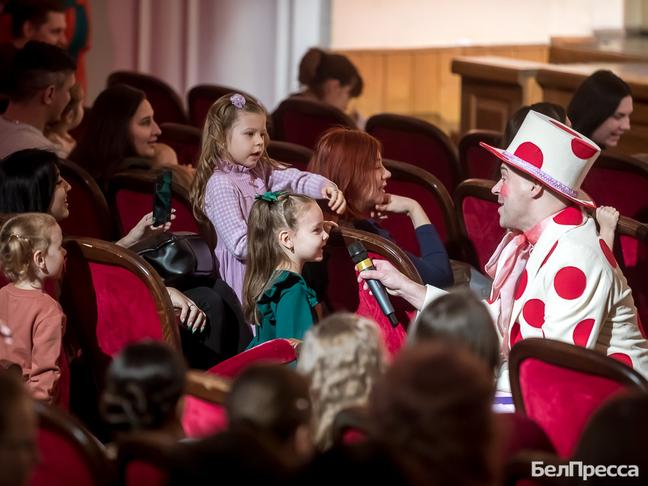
[285,309]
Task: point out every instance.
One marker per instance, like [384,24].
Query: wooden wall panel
[419,82]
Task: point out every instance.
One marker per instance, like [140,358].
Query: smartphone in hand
[162,198]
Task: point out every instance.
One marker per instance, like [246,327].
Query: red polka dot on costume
[582,149]
[521,285]
[534,312]
[516,334]
[582,332]
[570,282]
[623,358]
[531,153]
[566,128]
[569,216]
[549,254]
[609,256]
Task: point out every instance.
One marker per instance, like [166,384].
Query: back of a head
[514,123]
[144,383]
[461,318]
[270,399]
[317,66]
[107,140]
[617,434]
[27,181]
[595,100]
[34,11]
[433,408]
[343,356]
[35,67]
[348,158]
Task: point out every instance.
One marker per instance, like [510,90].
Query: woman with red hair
[352,160]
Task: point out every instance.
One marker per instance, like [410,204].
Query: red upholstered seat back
[480,221]
[631,252]
[184,139]
[279,351]
[408,180]
[339,289]
[476,161]
[296,155]
[132,205]
[201,418]
[201,97]
[89,213]
[562,400]
[61,463]
[619,182]
[165,101]
[417,142]
[112,298]
[304,121]
[140,472]
[68,454]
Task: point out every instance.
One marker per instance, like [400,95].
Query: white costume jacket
[573,290]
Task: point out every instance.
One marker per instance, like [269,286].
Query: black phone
[162,198]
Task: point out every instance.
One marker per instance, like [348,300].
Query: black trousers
[226,332]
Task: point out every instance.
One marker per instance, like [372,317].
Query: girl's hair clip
[238,100]
[270,196]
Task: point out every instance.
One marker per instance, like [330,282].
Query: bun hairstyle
[21,237]
[318,66]
[143,386]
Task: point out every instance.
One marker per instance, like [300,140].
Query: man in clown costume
[553,276]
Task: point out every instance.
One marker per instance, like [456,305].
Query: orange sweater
[37,324]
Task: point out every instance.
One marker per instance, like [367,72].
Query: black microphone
[362,262]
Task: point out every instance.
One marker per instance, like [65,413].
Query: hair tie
[269,196]
[238,100]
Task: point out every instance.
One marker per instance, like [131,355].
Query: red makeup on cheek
[504,190]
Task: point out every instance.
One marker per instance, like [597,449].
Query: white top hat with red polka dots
[553,154]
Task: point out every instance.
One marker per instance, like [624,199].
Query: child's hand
[607,217]
[336,200]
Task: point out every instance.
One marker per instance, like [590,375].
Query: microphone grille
[357,251]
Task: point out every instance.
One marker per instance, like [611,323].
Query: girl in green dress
[284,232]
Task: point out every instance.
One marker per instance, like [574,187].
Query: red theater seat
[69,455]
[417,142]
[476,161]
[560,386]
[303,121]
[478,220]
[164,99]
[184,139]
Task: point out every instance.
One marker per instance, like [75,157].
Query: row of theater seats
[543,373]
[468,224]
[403,138]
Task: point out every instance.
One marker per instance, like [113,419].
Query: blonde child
[59,132]
[234,167]
[31,253]
[285,231]
[343,356]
